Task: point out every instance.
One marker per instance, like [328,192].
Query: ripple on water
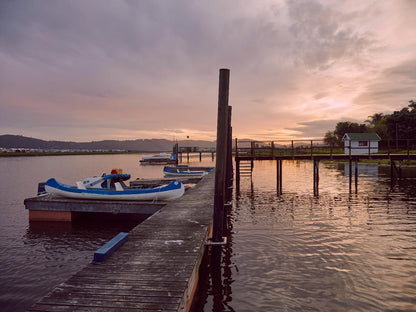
[335,252]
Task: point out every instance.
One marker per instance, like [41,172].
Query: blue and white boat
[112,187]
[185,171]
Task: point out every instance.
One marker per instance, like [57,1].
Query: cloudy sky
[86,70]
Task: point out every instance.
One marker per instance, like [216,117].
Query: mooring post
[221,160]
[350,166]
[350,174]
[356,176]
[279,177]
[237,163]
[316,177]
[229,173]
[229,165]
[176,152]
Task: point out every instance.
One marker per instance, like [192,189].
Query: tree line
[396,126]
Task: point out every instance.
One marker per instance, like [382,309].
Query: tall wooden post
[229,149]
[229,166]
[350,167]
[221,160]
[279,177]
[316,177]
[350,175]
[356,175]
[176,152]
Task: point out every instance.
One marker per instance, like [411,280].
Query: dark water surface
[37,256]
[338,251]
[333,252]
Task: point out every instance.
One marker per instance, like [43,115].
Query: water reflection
[370,170]
[333,252]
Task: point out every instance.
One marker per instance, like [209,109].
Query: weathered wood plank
[100,307]
[118,291]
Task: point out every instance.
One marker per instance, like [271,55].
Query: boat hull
[161,159]
[167,192]
[184,172]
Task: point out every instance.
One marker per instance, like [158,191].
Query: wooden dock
[155,270]
[52,208]
[49,208]
[258,151]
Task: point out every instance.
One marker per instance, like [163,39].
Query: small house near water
[361,143]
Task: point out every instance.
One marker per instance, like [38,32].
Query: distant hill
[145,145]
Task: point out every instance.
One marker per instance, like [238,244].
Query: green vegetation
[400,125]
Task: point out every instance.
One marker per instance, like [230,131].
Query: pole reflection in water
[215,277]
[336,251]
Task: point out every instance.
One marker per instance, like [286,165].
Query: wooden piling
[279,177]
[316,177]
[356,176]
[229,172]
[221,160]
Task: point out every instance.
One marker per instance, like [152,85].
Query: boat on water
[185,171]
[159,159]
[112,187]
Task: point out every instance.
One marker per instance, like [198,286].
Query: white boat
[112,187]
[159,159]
[185,171]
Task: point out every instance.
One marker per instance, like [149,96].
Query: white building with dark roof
[361,143]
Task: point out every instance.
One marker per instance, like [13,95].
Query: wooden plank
[155,270]
[46,308]
[46,215]
[119,291]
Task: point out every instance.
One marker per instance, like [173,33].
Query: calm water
[334,252]
[35,257]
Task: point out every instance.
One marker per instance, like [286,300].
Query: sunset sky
[87,70]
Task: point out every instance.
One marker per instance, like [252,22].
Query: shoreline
[25,154]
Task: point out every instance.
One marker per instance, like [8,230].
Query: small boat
[111,186]
[160,159]
[185,171]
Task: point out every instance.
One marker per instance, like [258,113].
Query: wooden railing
[316,147]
